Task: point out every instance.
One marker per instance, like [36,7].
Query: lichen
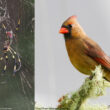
[93,87]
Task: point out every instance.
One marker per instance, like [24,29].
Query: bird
[84,53]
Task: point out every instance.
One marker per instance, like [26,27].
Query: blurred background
[55,75]
[17,89]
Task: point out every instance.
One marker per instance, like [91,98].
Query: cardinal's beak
[63,30]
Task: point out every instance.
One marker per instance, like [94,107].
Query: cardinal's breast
[78,57]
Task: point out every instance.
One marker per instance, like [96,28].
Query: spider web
[20,87]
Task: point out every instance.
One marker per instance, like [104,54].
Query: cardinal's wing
[94,51]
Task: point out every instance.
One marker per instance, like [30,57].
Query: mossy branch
[94,86]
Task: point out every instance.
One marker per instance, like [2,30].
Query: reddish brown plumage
[83,52]
[97,54]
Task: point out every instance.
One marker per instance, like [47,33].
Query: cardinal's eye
[69,25]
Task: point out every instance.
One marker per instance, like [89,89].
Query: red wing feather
[94,51]
[103,62]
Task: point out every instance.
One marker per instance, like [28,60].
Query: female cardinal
[84,53]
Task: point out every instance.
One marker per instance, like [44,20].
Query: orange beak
[63,30]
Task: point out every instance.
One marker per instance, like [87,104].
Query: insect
[9,51]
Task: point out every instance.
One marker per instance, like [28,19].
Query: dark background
[17,92]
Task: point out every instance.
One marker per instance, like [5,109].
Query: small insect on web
[7,49]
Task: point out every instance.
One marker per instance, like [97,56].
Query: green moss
[94,107]
[91,88]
